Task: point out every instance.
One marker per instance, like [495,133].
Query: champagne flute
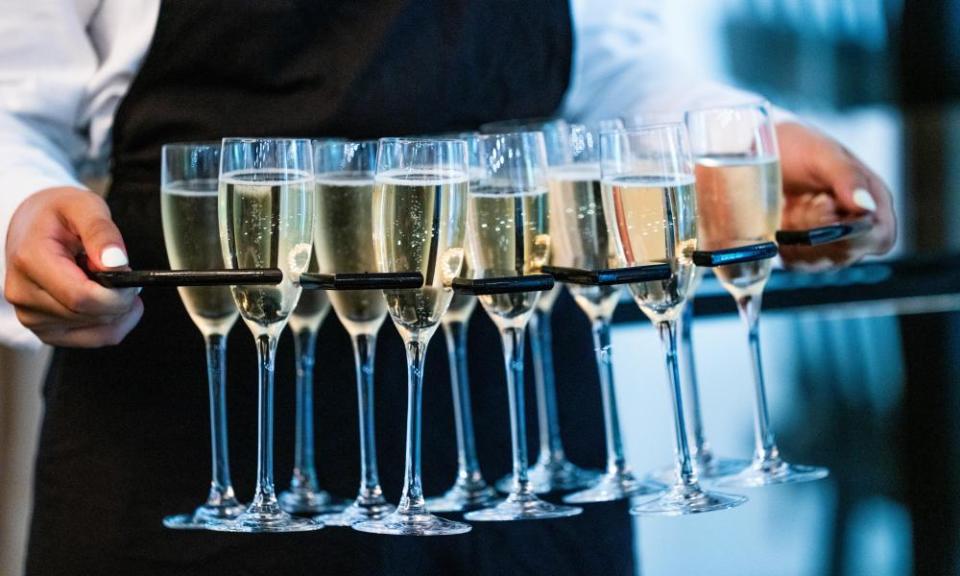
[582,239]
[266,217]
[419,205]
[552,470]
[709,466]
[509,235]
[740,199]
[188,204]
[469,491]
[304,495]
[649,202]
[343,243]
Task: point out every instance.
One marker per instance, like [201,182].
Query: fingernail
[113,257]
[863,199]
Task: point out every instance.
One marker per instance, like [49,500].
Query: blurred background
[862,366]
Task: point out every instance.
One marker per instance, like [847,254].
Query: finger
[885,229]
[809,210]
[49,265]
[37,319]
[89,218]
[23,293]
[94,336]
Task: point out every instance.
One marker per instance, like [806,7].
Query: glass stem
[766,446]
[616,462]
[304,467]
[513,358]
[548,421]
[692,389]
[411,501]
[468,468]
[668,338]
[221,489]
[265,499]
[364,348]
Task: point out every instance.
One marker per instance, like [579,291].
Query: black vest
[125,435]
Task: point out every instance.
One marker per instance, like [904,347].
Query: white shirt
[67,64]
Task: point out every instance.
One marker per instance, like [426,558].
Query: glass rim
[759,103]
[345,142]
[657,127]
[253,140]
[186,144]
[594,125]
[519,134]
[418,140]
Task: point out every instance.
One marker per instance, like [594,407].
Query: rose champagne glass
[740,199]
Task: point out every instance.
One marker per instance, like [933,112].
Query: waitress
[123,435]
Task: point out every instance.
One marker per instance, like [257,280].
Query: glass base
[204,517]
[553,475]
[522,507]
[463,497]
[267,519]
[774,471]
[614,486]
[311,502]
[425,524]
[685,499]
[357,513]
[713,469]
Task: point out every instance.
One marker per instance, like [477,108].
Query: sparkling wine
[343,240]
[510,236]
[581,237]
[193,242]
[265,222]
[655,221]
[418,216]
[739,202]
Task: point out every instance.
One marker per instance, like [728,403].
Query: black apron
[125,434]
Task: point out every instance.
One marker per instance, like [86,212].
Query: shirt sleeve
[47,58]
[622,69]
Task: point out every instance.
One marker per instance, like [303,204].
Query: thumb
[90,219]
